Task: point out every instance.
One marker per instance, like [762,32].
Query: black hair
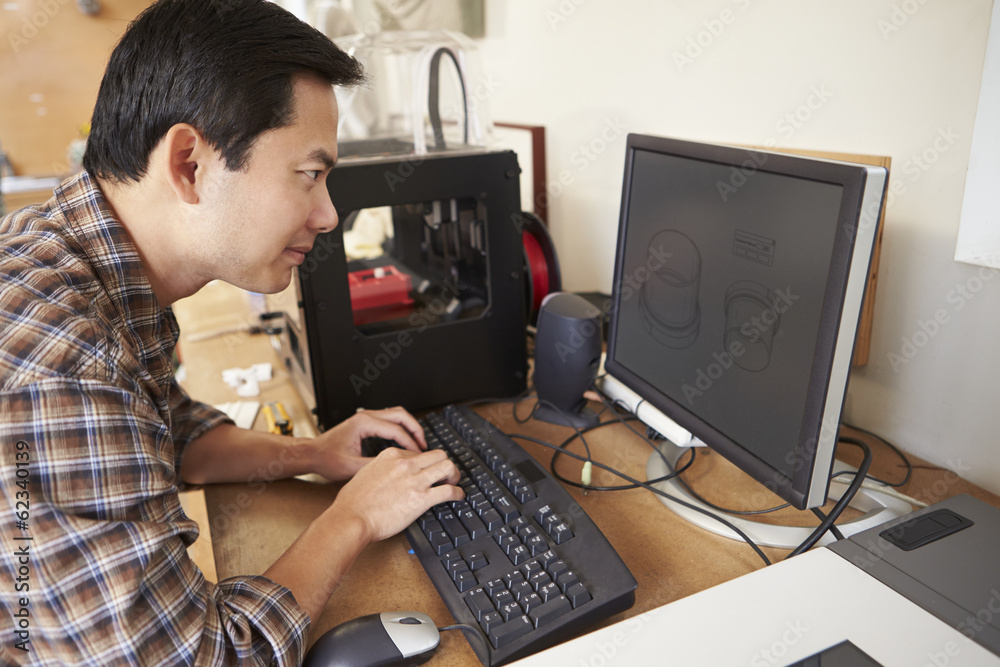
[226,67]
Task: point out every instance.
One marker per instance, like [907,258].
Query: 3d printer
[418,298]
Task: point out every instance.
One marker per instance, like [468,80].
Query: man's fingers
[444,493]
[398,425]
[441,471]
[432,467]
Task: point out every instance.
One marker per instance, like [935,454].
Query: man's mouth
[298,253]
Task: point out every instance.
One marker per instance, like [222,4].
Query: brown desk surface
[251,525]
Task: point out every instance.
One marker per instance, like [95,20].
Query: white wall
[883,77]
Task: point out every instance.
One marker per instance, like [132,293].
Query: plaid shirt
[92,429]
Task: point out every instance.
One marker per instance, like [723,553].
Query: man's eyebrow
[320,155]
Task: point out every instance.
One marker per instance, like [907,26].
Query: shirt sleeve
[191,419]
[105,571]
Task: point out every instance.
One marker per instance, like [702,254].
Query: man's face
[265,218]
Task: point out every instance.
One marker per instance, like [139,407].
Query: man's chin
[266,284]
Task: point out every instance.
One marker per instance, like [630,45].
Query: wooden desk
[252,524]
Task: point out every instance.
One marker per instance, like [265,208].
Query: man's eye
[313,173]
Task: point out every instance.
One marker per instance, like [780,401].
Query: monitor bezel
[842,303]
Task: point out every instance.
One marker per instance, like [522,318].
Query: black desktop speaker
[567,356]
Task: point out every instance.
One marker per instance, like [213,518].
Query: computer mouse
[388,639]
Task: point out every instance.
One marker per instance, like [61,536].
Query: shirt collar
[116,263]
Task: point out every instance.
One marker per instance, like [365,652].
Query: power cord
[649,487]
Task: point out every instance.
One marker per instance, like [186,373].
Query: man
[212,136]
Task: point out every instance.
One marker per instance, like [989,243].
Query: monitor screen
[739,280]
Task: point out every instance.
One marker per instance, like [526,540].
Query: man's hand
[337,453]
[395,488]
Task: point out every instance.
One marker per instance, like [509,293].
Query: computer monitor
[738,286]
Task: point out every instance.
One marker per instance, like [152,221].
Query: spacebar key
[509,631]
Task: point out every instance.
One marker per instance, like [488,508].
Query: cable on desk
[560,449]
[833,527]
[622,487]
[467,630]
[531,415]
[658,492]
[878,485]
[826,521]
[894,448]
[838,508]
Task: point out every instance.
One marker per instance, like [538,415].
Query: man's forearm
[228,453]
[317,561]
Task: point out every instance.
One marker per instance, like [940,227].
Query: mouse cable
[476,632]
[660,492]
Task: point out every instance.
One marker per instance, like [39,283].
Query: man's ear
[189,159]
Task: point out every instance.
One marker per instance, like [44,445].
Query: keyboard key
[536,544]
[556,567]
[454,528]
[503,598]
[549,611]
[477,561]
[431,526]
[455,568]
[524,493]
[566,579]
[519,554]
[505,506]
[491,519]
[531,568]
[510,610]
[512,578]
[479,603]
[451,557]
[440,542]
[477,501]
[547,557]
[465,581]
[526,530]
[578,594]
[519,524]
[549,591]
[490,620]
[494,586]
[530,601]
[561,533]
[473,524]
[508,543]
[542,513]
[539,579]
[520,590]
[504,634]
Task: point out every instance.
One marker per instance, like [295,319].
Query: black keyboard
[518,558]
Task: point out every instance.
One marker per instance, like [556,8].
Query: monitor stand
[877,507]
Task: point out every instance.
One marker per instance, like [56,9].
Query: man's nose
[324,217]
